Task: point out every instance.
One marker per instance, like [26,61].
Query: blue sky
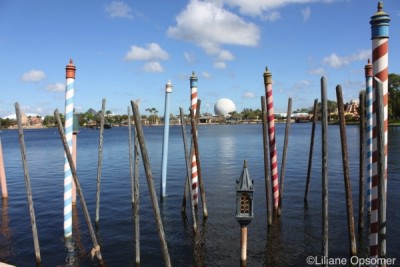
[126,50]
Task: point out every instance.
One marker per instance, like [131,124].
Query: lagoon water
[223,148]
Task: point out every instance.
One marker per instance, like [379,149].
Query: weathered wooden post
[75,131]
[324,129]
[310,156]
[244,209]
[96,246]
[164,164]
[194,176]
[197,153]
[381,162]
[187,183]
[285,145]
[346,172]
[28,184]
[361,195]
[131,156]
[272,140]
[100,160]
[70,70]
[266,162]
[136,206]
[369,99]
[150,183]
[380,39]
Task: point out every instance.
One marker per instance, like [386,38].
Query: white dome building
[223,107]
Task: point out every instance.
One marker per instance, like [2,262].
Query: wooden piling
[285,145]
[267,177]
[150,183]
[100,159]
[136,199]
[131,157]
[196,149]
[324,130]
[28,184]
[243,245]
[346,172]
[3,179]
[310,155]
[361,185]
[96,247]
[381,160]
[188,163]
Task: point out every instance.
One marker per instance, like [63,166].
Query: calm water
[293,237]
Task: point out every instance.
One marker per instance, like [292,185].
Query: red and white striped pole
[379,35]
[194,176]
[271,134]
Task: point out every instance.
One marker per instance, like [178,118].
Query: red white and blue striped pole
[369,111]
[379,35]
[69,114]
[272,141]
[194,175]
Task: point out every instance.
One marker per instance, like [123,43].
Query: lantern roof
[245,183]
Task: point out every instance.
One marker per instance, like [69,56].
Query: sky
[129,50]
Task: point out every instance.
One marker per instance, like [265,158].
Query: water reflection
[5,233]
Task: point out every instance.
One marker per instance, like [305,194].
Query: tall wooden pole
[28,184]
[324,129]
[346,171]
[136,206]
[310,155]
[3,179]
[96,246]
[150,183]
[266,162]
[131,156]
[100,159]
[361,185]
[285,145]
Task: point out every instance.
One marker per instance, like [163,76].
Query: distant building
[223,107]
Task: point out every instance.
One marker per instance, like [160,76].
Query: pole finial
[380,6]
[70,69]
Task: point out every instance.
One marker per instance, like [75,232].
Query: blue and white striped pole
[168,91]
[368,84]
[69,114]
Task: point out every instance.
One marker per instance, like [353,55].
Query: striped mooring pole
[380,36]
[194,176]
[69,114]
[168,91]
[272,141]
[368,85]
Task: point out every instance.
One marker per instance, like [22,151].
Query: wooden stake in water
[28,184]
[266,162]
[382,174]
[150,183]
[314,121]
[96,246]
[361,198]
[131,156]
[197,153]
[324,129]
[285,145]
[188,179]
[100,159]
[136,198]
[346,172]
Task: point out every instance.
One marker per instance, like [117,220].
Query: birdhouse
[244,197]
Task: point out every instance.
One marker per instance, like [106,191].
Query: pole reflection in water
[5,233]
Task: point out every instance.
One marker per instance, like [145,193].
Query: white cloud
[306,13]
[55,87]
[209,26]
[249,95]
[220,65]
[206,75]
[33,76]
[317,71]
[151,52]
[257,7]
[118,9]
[153,66]
[336,61]
[189,57]
[271,16]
